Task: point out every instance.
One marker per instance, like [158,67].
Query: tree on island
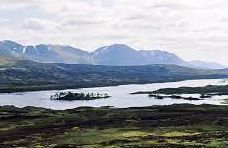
[78,96]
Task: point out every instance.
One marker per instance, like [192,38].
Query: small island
[205,91]
[159,96]
[70,96]
[175,93]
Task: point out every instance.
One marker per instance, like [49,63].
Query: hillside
[24,75]
[6,61]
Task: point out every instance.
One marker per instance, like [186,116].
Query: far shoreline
[37,88]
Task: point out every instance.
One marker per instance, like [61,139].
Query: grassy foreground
[157,126]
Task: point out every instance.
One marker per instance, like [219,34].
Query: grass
[178,133]
[157,126]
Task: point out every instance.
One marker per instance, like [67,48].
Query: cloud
[190,28]
[4,20]
[36,24]
[15,4]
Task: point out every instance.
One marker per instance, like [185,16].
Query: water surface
[121,96]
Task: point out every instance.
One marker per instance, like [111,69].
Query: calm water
[120,96]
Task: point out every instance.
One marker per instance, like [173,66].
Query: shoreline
[24,89]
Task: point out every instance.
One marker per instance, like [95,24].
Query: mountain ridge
[113,55]
[207,65]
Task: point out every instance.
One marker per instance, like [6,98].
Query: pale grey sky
[193,29]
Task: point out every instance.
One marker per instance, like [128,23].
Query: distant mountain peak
[9,43]
[44,53]
[116,47]
[206,65]
[120,54]
[119,46]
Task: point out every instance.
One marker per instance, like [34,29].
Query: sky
[192,29]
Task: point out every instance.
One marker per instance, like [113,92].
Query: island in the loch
[159,96]
[175,93]
[70,96]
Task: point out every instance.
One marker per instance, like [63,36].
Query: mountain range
[113,55]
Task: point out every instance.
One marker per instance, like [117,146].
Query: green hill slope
[27,75]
